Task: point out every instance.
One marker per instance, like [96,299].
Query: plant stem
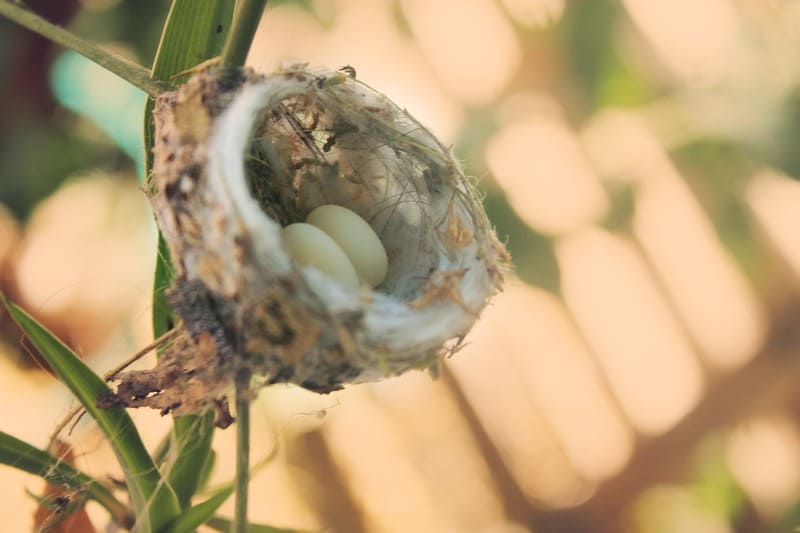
[242,450]
[245,22]
[120,514]
[125,69]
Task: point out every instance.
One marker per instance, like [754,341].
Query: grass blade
[195,32]
[196,516]
[192,441]
[125,69]
[154,501]
[219,523]
[163,320]
[23,456]
[208,468]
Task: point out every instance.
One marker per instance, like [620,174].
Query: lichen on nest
[238,157]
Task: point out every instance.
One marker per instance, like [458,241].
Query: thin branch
[166,337]
[125,69]
[242,451]
[245,23]
[111,374]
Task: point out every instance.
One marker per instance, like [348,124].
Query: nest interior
[360,151]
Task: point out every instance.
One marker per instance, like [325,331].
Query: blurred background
[641,370]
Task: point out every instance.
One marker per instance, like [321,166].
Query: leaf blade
[193,436]
[219,523]
[195,31]
[196,516]
[23,456]
[151,496]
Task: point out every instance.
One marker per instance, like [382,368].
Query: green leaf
[163,319]
[195,32]
[154,501]
[197,515]
[219,523]
[192,436]
[161,452]
[23,456]
[208,468]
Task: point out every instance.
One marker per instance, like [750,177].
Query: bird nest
[235,160]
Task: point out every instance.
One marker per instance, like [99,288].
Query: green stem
[248,15]
[120,514]
[242,451]
[125,69]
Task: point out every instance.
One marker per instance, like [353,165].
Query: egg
[312,247]
[356,238]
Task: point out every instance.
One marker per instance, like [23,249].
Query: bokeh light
[643,350]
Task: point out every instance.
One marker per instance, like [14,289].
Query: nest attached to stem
[238,157]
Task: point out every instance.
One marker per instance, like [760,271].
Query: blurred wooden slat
[771,379]
[538,161]
[619,308]
[443,450]
[369,448]
[712,297]
[510,416]
[322,483]
[551,358]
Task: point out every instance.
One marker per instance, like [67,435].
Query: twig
[245,23]
[127,70]
[111,374]
[166,337]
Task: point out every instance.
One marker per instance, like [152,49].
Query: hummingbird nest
[235,160]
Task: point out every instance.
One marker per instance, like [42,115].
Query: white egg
[358,240]
[312,247]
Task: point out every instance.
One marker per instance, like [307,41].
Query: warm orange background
[649,380]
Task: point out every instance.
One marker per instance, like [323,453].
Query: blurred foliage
[718,170]
[533,254]
[588,34]
[112,104]
[40,143]
[786,155]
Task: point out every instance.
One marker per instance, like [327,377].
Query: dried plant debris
[234,161]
